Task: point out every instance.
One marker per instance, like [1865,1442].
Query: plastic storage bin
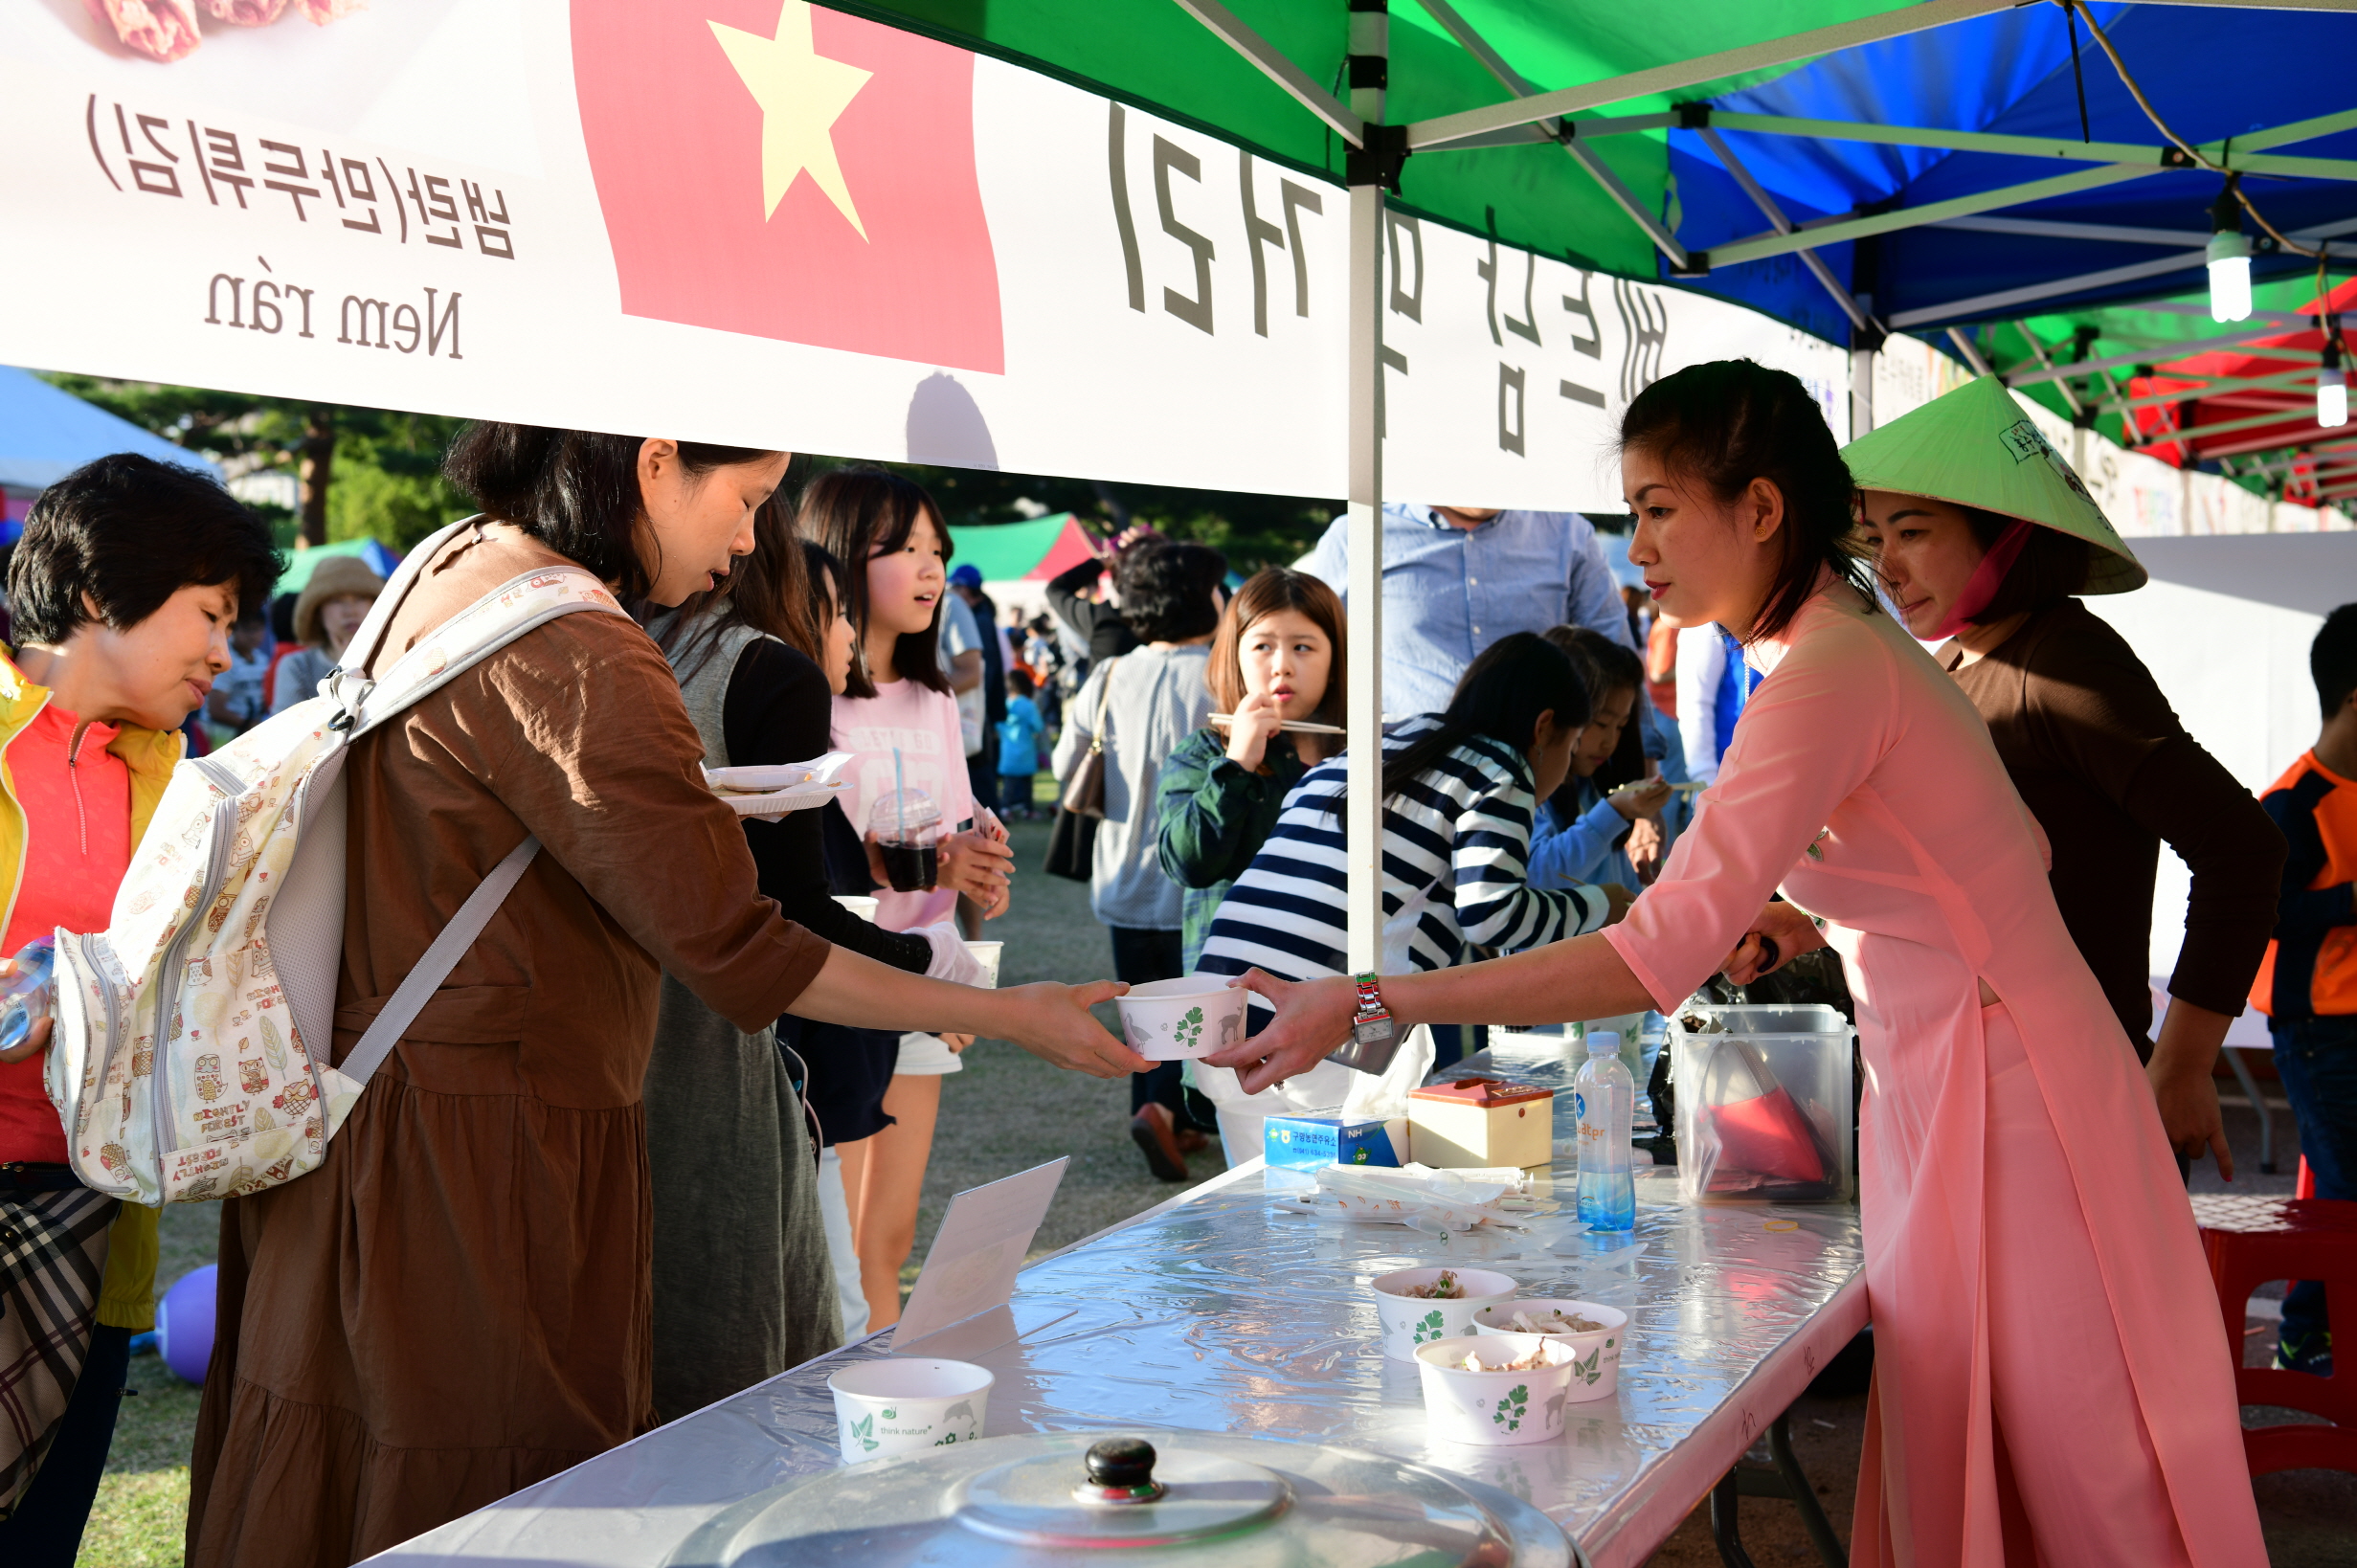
[1765,1112]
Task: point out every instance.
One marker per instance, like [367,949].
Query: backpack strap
[409,997]
[527,600]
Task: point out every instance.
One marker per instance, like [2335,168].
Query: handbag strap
[1104,705]
[409,997]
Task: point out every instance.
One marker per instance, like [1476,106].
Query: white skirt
[923,1055]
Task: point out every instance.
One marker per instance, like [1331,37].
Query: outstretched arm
[1050,1022]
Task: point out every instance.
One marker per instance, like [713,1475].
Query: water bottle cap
[1603,1042]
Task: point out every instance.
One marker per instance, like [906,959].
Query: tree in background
[360,473]
[375,473]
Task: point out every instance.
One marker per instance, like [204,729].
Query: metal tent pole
[1370,170]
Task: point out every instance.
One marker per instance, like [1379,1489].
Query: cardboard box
[1314,1141]
[1481,1121]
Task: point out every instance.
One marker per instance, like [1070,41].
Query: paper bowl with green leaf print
[1492,1401]
[904,1403]
[1170,1021]
[1596,1365]
[1410,1320]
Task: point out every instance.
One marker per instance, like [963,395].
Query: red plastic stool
[2250,1241]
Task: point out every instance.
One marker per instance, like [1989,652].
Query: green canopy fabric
[1152,54]
[1975,447]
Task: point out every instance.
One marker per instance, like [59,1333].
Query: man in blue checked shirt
[1458,578]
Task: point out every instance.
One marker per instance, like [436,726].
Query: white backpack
[193,1034]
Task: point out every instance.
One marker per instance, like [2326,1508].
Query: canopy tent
[305,560]
[1104,238]
[1850,129]
[46,433]
[1846,166]
[1033,551]
[2169,384]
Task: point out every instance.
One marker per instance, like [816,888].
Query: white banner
[776,225]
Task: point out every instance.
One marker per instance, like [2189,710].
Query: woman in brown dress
[457,1303]
[1983,536]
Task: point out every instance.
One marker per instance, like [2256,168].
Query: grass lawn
[1005,1113]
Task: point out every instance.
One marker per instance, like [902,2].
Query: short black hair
[1167,589]
[130,532]
[1020,683]
[577,491]
[2332,658]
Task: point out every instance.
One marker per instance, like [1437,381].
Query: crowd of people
[660,1133]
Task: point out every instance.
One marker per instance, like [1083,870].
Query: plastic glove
[952,959]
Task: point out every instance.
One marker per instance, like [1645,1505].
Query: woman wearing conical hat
[1983,535]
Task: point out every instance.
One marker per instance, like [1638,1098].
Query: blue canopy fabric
[46,433]
[2213,71]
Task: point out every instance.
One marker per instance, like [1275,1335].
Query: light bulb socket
[2226,216]
[2229,245]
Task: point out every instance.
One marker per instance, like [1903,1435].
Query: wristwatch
[1372,1024]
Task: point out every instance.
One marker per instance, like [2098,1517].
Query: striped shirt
[1456,843]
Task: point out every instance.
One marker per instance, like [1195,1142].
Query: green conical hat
[1975,447]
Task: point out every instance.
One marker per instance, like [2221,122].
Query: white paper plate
[776,790]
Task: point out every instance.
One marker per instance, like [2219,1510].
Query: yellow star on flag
[802,93]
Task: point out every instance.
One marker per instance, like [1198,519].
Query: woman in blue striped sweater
[1459,792]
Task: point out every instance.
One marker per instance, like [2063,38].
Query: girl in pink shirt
[898,716]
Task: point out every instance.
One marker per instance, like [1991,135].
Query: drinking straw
[900,795]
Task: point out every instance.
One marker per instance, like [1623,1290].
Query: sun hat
[333,578]
[968,575]
[1977,447]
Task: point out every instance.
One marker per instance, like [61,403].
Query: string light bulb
[2331,382]
[2229,259]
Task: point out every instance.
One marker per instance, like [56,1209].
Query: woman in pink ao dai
[2053,1383]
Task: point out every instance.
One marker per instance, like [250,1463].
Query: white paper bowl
[1409,1321]
[1170,1021]
[859,904]
[1495,1410]
[1596,1365]
[986,954]
[899,1403]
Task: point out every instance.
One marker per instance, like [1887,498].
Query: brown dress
[2111,775]
[457,1303]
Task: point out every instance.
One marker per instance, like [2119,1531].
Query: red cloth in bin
[1767,1134]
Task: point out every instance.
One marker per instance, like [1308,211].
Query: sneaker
[2311,1352]
[1158,1136]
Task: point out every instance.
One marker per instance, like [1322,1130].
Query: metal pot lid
[1149,1497]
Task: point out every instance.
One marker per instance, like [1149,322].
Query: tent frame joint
[1379,161]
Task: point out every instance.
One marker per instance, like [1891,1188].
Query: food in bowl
[1555,1320]
[1536,1356]
[1443,1288]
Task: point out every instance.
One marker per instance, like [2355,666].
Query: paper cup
[1409,1321]
[1495,1409]
[1596,1355]
[859,904]
[986,954]
[902,1403]
[1170,1021]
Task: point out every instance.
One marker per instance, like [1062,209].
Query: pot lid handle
[1121,1471]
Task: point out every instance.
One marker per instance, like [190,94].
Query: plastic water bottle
[25,995]
[1604,1097]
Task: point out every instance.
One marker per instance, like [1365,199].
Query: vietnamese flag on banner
[770,167]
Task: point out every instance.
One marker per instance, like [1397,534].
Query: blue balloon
[184,1324]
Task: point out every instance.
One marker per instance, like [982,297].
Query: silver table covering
[1216,1312]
